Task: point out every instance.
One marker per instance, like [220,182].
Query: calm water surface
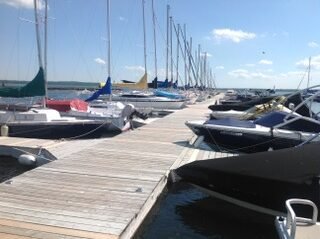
[10,167]
[186,212]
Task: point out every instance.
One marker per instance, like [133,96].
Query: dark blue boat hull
[242,142]
[47,131]
[265,179]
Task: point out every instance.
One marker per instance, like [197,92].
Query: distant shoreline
[79,85]
[55,85]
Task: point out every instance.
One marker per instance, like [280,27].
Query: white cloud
[245,74]
[313,44]
[100,61]
[268,70]
[239,73]
[250,65]
[233,35]
[219,67]
[270,76]
[265,62]
[265,78]
[23,3]
[123,19]
[315,63]
[135,68]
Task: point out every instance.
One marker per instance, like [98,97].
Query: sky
[249,44]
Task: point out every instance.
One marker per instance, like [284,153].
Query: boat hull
[62,130]
[265,179]
[242,141]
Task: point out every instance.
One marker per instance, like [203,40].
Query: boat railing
[309,140]
[292,219]
[295,118]
[309,99]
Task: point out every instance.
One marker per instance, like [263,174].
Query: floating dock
[96,189]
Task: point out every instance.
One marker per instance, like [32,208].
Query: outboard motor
[128,113]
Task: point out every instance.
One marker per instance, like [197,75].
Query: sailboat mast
[109,43]
[171,58]
[199,65]
[167,48]
[155,42]
[37,33]
[45,50]
[189,65]
[144,39]
[39,47]
[109,38]
[185,54]
[309,67]
[178,42]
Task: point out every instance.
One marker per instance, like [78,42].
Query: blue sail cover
[163,84]
[105,90]
[175,84]
[168,94]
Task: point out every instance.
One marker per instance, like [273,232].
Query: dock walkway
[99,188]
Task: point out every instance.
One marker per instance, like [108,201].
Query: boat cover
[271,119]
[231,122]
[296,165]
[167,94]
[67,105]
[274,118]
[241,106]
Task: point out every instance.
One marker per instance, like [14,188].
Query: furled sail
[36,87]
[104,90]
[140,85]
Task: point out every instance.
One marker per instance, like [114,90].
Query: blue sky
[251,44]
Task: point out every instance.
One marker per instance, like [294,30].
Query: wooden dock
[99,188]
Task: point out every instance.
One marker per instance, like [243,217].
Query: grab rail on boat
[295,118]
[309,99]
[292,219]
[309,140]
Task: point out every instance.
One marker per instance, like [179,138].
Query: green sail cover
[36,87]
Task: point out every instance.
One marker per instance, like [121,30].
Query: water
[185,212]
[10,167]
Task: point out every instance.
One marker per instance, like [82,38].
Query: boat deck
[99,188]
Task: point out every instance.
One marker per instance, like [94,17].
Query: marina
[101,188]
[150,119]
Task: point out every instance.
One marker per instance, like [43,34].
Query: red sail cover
[67,105]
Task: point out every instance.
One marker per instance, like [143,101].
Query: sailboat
[138,97]
[116,113]
[40,121]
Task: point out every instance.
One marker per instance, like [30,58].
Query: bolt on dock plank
[99,188]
